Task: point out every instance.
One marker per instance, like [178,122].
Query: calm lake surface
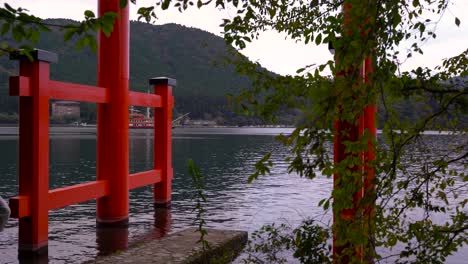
[225,156]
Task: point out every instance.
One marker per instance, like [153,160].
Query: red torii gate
[113,97]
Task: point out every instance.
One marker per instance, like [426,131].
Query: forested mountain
[194,57]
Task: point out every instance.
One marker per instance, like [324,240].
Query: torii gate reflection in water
[113,182]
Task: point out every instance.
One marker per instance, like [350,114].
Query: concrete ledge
[182,247]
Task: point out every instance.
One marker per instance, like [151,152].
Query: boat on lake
[139,120]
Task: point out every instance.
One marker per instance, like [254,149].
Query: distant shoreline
[12,129]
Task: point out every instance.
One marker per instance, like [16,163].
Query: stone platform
[182,247]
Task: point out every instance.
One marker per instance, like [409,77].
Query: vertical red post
[369,124]
[369,192]
[34,150]
[163,140]
[112,121]
[345,131]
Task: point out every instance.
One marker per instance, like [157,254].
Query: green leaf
[272,12]
[89,14]
[92,42]
[5,28]
[69,34]
[422,28]
[107,29]
[34,36]
[123,3]
[252,177]
[18,33]
[165,4]
[43,28]
[318,39]
[113,15]
[9,8]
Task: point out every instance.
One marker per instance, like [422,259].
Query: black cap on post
[163,81]
[331,48]
[36,54]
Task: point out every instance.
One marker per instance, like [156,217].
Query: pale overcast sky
[271,50]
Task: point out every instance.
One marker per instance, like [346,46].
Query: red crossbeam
[144,178]
[143,99]
[20,86]
[79,193]
[77,92]
[61,197]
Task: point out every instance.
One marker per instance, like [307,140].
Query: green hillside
[192,56]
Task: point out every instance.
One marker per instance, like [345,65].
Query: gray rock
[4,213]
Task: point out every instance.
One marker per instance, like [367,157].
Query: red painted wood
[65,196]
[34,155]
[112,121]
[77,92]
[61,197]
[20,206]
[20,86]
[144,178]
[79,193]
[370,111]
[143,99]
[163,145]
[352,132]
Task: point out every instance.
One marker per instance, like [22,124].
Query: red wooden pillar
[345,131]
[112,121]
[34,149]
[163,140]
[369,124]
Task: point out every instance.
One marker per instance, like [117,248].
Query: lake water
[225,156]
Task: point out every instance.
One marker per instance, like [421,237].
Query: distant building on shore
[66,109]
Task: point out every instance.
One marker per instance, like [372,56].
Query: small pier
[182,247]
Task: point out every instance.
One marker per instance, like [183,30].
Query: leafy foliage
[200,200]
[412,186]
[269,244]
[26,28]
